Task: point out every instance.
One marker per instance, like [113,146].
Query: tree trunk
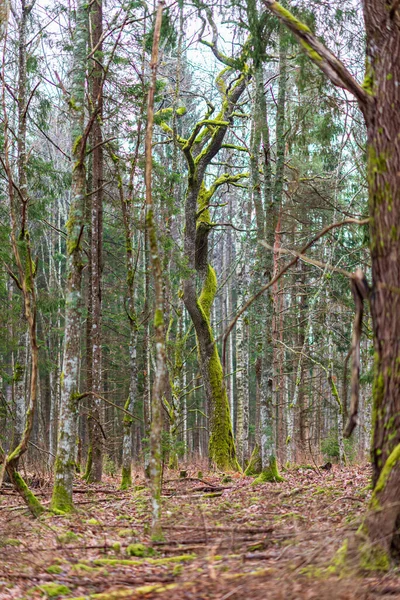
[97,237]
[383,125]
[65,462]
[378,99]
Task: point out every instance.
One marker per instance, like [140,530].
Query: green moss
[373,558]
[369,78]
[143,590]
[18,372]
[54,569]
[182,110]
[285,14]
[53,590]
[126,532]
[158,318]
[116,546]
[9,542]
[32,502]
[270,474]
[152,561]
[87,569]
[67,537]
[313,54]
[89,463]
[339,561]
[93,522]
[139,550]
[387,469]
[126,481]
[76,144]
[61,500]
[222,451]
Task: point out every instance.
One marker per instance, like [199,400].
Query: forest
[199,272]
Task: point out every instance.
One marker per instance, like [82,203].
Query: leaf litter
[224,537]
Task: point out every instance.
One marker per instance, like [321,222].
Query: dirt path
[224,538]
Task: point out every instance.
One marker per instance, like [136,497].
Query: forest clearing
[199,299]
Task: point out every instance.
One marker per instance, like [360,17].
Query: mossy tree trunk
[67,435]
[160,378]
[199,148]
[383,126]
[96,80]
[378,99]
[24,277]
[273,189]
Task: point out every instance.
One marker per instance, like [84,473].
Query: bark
[4,13]
[97,237]
[383,125]
[126,204]
[242,358]
[161,360]
[199,150]
[378,99]
[26,267]
[269,380]
[67,436]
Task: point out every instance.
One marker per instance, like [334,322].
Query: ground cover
[224,537]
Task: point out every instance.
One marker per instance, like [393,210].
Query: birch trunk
[67,436]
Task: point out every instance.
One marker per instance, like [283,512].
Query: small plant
[330,447]
[109,466]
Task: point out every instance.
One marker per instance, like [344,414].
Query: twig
[279,275]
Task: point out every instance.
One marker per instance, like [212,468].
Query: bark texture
[67,436]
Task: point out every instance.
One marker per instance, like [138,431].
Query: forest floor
[224,539]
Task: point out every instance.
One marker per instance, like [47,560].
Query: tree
[377,98]
[161,359]
[65,462]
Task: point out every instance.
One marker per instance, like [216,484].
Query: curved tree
[199,148]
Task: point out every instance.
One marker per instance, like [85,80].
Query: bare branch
[282,272]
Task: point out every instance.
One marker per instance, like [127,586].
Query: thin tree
[160,377]
[65,462]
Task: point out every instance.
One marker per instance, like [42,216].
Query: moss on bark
[270,474]
[222,451]
[61,501]
[126,481]
[254,467]
[32,502]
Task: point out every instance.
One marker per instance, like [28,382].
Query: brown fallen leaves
[269,541]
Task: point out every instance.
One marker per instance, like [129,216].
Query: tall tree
[67,437]
[18,195]
[378,99]
[161,374]
[96,79]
